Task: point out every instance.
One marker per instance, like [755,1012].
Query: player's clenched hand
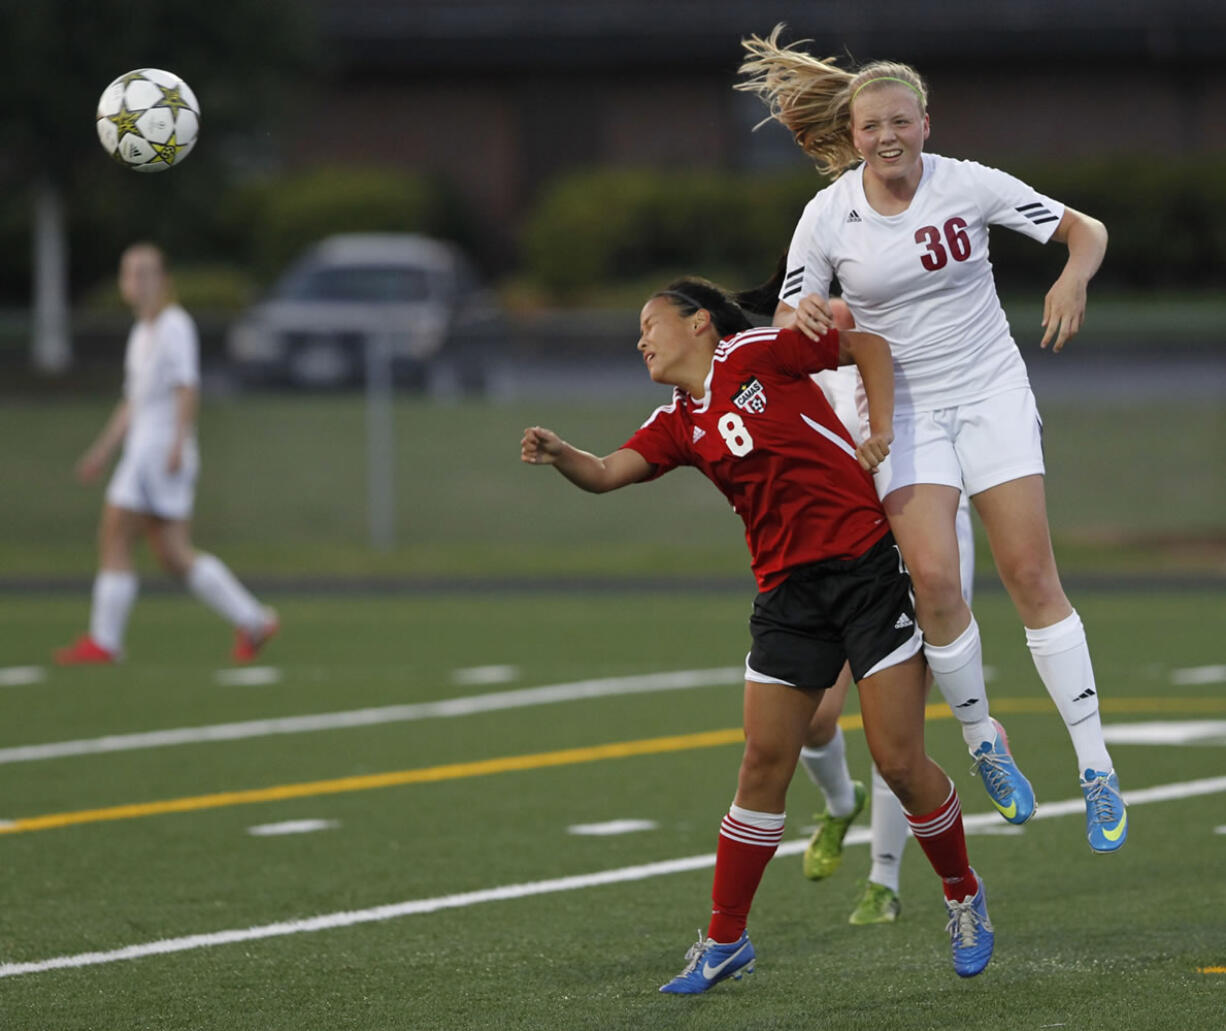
[873,449]
[1064,309]
[90,466]
[813,316]
[540,446]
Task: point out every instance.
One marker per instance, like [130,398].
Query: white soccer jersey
[162,355]
[922,278]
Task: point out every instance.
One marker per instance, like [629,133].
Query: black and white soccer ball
[148,120]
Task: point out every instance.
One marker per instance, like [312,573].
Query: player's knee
[899,770]
[938,587]
[171,558]
[821,731]
[765,762]
[1030,578]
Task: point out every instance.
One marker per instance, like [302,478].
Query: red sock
[943,840]
[747,841]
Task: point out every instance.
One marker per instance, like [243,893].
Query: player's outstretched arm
[871,354]
[597,475]
[91,464]
[1064,307]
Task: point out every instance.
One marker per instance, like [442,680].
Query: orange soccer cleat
[84,651]
[247,645]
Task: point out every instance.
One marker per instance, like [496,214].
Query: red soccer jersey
[765,435]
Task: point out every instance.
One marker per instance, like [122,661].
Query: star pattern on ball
[131,77]
[125,121]
[167,152]
[173,99]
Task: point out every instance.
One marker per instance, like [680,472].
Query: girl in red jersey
[832,586]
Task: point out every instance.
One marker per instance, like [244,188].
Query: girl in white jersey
[153,487]
[906,233]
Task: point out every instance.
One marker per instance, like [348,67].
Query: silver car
[414,295]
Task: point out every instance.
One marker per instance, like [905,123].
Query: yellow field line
[1211,970]
[425,775]
[514,763]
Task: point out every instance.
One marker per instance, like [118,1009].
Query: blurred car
[420,295]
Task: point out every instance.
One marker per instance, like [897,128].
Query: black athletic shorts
[859,610]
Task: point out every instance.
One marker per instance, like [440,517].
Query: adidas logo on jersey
[854,216]
[1086,694]
[904,621]
[699,433]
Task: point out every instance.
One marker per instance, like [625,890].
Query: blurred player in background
[824,756]
[833,589]
[906,234]
[152,490]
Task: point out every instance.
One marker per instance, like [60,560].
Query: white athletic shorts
[140,482]
[973,446]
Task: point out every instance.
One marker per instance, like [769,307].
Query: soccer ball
[148,120]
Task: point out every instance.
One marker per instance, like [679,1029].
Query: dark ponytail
[764,298]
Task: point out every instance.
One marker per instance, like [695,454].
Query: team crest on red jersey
[751,397]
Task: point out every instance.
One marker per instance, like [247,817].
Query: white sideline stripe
[1199,675]
[376,914]
[19,676]
[600,688]
[1169,732]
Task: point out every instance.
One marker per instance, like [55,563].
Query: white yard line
[611,827]
[248,676]
[472,675]
[414,907]
[20,676]
[273,830]
[602,688]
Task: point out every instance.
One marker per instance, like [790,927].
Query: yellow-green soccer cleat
[878,905]
[824,852]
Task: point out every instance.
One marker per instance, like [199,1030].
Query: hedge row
[1167,222]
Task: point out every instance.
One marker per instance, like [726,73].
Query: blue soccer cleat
[707,963]
[970,932]
[1106,816]
[1007,788]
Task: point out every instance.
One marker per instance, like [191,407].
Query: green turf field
[283,491]
[475,829]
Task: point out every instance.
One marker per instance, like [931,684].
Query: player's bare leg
[923,519]
[1015,517]
[776,719]
[114,591]
[210,580]
[892,702]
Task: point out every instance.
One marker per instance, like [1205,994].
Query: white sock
[212,582]
[114,594]
[957,669]
[827,768]
[889,828]
[1062,657]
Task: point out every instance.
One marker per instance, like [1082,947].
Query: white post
[380,441]
[51,351]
